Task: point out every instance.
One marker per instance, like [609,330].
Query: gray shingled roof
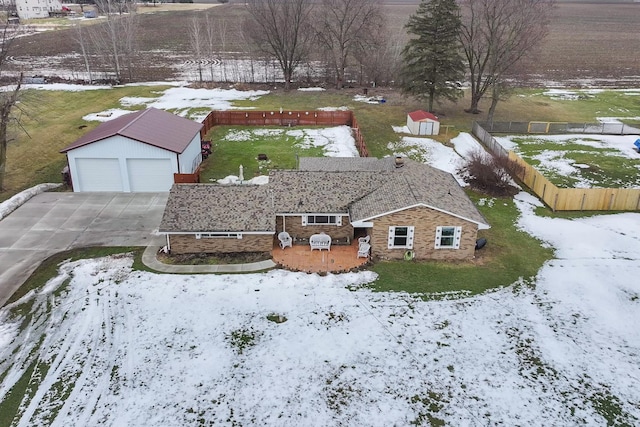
[337,164]
[391,188]
[365,195]
[297,191]
[212,207]
[152,126]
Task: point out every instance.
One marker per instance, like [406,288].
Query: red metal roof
[416,116]
[152,126]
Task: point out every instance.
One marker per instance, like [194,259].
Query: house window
[218,235]
[400,237]
[448,237]
[321,220]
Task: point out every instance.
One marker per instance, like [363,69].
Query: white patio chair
[285,239]
[363,250]
[365,239]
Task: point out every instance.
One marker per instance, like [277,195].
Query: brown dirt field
[587,41]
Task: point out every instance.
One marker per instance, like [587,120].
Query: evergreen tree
[432,62]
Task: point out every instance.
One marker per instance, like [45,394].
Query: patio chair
[285,239]
[365,239]
[363,250]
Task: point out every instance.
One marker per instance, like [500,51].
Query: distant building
[31,9]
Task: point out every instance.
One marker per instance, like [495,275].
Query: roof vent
[399,161]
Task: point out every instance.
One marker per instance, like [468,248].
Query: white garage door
[98,175]
[150,174]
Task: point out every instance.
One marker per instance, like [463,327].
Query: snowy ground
[120,347]
[105,345]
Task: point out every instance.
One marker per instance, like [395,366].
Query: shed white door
[426,128]
[98,175]
[150,174]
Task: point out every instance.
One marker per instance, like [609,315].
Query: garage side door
[150,174]
[98,175]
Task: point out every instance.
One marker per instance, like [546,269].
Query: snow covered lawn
[118,347]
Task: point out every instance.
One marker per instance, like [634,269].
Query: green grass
[11,403]
[510,254]
[228,154]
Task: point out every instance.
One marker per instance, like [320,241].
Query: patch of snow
[235,180]
[401,129]
[336,141]
[562,94]
[106,115]
[56,86]
[343,108]
[431,152]
[183,99]
[465,144]
[311,89]
[367,99]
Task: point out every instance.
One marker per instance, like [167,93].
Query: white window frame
[392,237]
[310,220]
[218,236]
[457,237]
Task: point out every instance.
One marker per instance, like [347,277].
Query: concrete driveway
[53,222]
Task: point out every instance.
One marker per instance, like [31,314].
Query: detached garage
[423,123]
[137,152]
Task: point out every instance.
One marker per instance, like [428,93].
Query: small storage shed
[137,152]
[423,123]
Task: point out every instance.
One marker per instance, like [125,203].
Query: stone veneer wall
[425,221]
[293,226]
[188,244]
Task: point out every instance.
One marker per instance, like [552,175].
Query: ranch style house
[406,208]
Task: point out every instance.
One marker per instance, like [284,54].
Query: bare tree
[283,30]
[196,42]
[116,37]
[342,26]
[379,58]
[79,37]
[496,35]
[8,99]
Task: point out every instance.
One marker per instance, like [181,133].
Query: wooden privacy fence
[285,118]
[563,199]
[187,178]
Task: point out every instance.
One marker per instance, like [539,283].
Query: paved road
[57,221]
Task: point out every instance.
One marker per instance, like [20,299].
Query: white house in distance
[30,9]
[137,152]
[423,123]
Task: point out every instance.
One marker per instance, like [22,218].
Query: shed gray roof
[152,126]
[212,207]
